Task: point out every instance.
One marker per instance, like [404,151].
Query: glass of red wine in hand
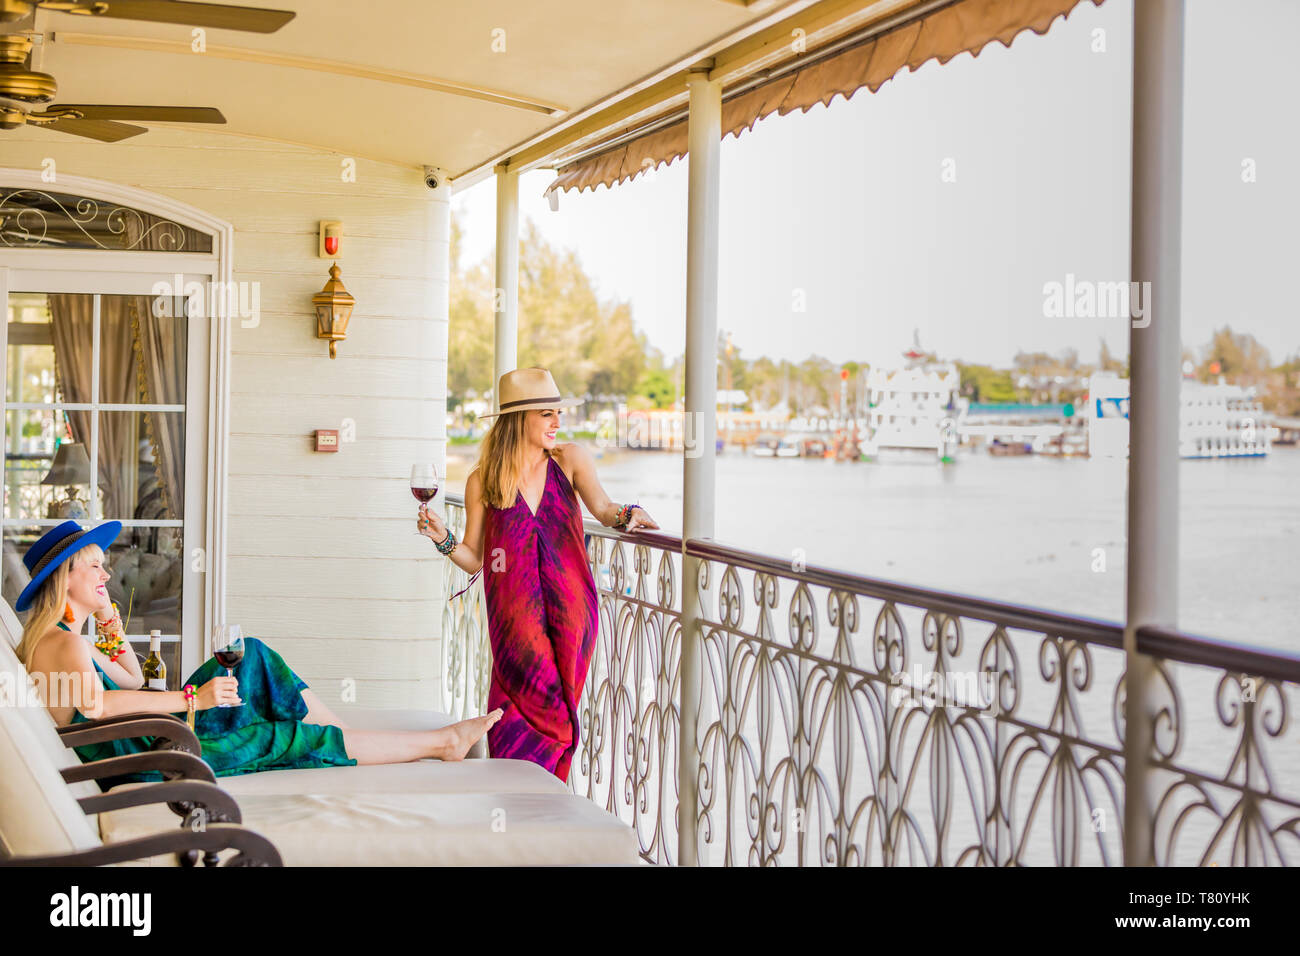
[228,649]
[424,483]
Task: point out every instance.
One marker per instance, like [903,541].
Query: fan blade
[102,130]
[218,16]
[145,114]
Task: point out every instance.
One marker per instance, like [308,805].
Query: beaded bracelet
[449,545]
[191,698]
[624,516]
[112,649]
[112,623]
[110,636]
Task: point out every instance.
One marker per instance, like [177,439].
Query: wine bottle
[154,670]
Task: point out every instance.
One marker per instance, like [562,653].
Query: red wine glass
[424,482]
[228,648]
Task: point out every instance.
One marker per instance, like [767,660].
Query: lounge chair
[45,816]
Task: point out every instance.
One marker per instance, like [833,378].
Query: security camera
[434,177]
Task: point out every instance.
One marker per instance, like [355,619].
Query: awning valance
[941,34]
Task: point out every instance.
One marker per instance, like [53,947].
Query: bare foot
[459,737]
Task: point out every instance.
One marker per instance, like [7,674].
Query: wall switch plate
[327,439]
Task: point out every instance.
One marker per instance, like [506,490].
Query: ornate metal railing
[466,657]
[627,759]
[1226,781]
[846,720]
[25,496]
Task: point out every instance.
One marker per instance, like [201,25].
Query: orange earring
[67,613]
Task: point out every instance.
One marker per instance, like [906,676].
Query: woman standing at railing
[523,526]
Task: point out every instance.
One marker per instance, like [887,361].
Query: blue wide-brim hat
[55,547]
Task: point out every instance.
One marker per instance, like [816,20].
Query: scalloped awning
[963,26]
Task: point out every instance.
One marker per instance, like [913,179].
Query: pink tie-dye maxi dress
[542,623]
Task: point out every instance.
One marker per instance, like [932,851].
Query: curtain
[71,326]
[160,350]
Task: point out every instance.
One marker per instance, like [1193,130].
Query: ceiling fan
[20,85]
[215,15]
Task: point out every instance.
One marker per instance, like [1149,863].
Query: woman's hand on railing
[431,525]
[640,518]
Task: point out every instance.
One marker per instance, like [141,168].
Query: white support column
[506,295]
[1156,380]
[704,143]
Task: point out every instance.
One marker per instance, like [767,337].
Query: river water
[1039,531]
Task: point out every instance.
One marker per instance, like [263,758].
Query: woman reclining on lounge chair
[280,724]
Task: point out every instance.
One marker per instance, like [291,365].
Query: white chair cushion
[417,829]
[16,685]
[421,776]
[10,627]
[38,813]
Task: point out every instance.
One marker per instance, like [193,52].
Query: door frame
[122,271]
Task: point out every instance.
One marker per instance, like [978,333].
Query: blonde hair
[50,601]
[501,459]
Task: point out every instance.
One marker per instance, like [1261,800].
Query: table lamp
[71,468]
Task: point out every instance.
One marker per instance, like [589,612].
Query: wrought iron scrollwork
[626,759]
[466,655]
[37,218]
[1243,812]
[920,742]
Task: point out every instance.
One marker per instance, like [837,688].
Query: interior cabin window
[95,407]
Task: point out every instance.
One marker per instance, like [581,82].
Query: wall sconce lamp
[333,306]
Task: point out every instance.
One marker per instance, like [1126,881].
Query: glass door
[99,425]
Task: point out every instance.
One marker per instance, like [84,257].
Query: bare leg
[318,713]
[399,746]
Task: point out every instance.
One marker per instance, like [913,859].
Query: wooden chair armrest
[168,732]
[216,805]
[254,849]
[120,718]
[171,762]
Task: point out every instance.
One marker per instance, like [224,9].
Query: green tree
[470,324]
[1106,362]
[982,383]
[1239,358]
[813,383]
[590,347]
[766,382]
[1283,394]
[656,389]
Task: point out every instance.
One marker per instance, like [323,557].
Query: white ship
[1216,421]
[918,407]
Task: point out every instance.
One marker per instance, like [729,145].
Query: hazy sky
[848,205]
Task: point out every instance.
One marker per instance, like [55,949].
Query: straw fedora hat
[526,388]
